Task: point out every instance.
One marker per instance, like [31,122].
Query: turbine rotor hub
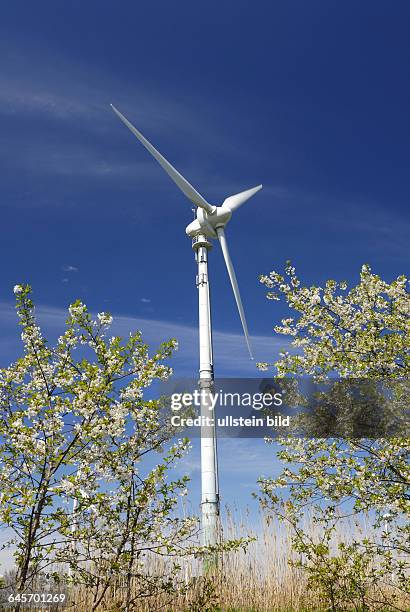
[207,224]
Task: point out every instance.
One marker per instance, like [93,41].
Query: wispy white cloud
[71,102]
[230,352]
[383,230]
[19,96]
[76,160]
[66,98]
[69,268]
[250,458]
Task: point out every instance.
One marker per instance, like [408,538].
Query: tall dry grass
[259,579]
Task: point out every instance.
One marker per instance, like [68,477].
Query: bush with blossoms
[76,491]
[339,335]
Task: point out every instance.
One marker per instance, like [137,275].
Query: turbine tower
[210,223]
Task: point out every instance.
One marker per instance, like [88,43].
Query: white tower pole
[209,469]
[210,221]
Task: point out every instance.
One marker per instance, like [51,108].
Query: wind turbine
[210,223]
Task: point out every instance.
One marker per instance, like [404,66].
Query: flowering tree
[74,428]
[361,333]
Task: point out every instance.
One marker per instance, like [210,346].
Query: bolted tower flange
[200,240]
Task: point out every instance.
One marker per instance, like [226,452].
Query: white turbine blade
[235,201]
[234,283]
[180,181]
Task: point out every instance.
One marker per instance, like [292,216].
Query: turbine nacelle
[209,220]
[207,224]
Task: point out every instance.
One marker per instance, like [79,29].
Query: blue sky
[309,98]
